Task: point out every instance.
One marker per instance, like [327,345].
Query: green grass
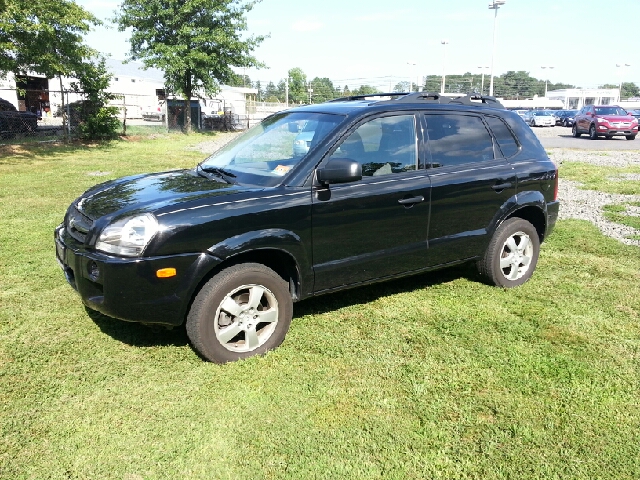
[603,179]
[435,376]
[619,213]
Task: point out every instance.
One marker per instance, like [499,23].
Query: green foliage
[298,86]
[323,90]
[43,36]
[629,89]
[97,120]
[365,90]
[195,42]
[511,85]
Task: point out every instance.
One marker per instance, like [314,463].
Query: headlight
[603,120]
[128,236]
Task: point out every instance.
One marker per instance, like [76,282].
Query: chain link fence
[40,115]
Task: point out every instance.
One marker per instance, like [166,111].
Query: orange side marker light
[166,273]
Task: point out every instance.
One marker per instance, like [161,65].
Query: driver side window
[382,146]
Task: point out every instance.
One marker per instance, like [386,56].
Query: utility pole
[286,92]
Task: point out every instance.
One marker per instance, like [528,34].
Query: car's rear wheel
[575,132]
[630,137]
[512,254]
[244,310]
[593,135]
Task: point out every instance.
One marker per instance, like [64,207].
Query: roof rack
[472,99]
[366,97]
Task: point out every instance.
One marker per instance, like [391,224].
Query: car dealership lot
[560,137]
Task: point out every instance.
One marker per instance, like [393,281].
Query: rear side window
[455,139]
[507,143]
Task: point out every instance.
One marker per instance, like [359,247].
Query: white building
[576,98]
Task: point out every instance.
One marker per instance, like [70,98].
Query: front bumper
[128,288]
[603,129]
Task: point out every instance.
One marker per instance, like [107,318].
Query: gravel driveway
[587,204]
[574,202]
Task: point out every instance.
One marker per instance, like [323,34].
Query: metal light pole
[482,84]
[411,64]
[546,81]
[621,65]
[286,92]
[495,6]
[444,57]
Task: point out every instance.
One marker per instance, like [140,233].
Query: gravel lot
[575,202]
[587,204]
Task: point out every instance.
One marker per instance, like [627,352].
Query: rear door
[376,227]
[470,181]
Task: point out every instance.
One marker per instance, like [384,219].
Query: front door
[376,227]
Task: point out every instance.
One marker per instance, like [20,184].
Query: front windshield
[268,151]
[610,111]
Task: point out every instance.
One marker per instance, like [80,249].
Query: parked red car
[605,121]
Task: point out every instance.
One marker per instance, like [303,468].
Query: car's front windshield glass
[268,151]
[610,111]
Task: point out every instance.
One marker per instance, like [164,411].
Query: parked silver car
[540,118]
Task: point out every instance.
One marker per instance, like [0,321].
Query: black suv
[390,185]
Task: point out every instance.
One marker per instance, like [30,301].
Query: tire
[608,137]
[244,310]
[593,135]
[630,137]
[574,131]
[512,254]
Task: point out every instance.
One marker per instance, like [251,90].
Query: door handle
[501,186]
[409,201]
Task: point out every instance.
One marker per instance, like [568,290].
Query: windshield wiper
[221,173]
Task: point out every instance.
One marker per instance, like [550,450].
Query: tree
[365,90]
[195,42]
[401,87]
[629,89]
[98,121]
[271,93]
[323,90]
[298,86]
[43,36]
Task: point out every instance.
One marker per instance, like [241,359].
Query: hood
[150,192]
[617,118]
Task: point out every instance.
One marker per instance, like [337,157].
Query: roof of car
[392,101]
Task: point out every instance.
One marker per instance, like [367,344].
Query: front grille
[78,224]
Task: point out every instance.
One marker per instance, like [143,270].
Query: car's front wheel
[575,132]
[630,137]
[242,311]
[512,254]
[593,135]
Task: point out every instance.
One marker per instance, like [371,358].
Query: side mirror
[339,170]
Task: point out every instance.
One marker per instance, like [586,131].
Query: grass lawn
[435,376]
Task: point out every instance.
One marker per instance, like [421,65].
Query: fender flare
[529,198]
[277,239]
